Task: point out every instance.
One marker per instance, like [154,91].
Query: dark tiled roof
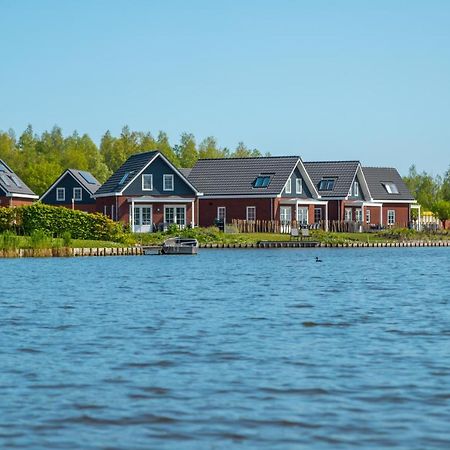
[235,176]
[185,172]
[343,171]
[86,179]
[132,165]
[376,176]
[11,183]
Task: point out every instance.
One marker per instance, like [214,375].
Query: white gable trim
[67,171]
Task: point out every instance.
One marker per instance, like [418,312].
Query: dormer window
[262,181]
[288,187]
[356,189]
[299,186]
[391,188]
[327,184]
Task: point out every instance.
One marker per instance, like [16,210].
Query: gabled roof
[12,184]
[130,170]
[85,179]
[236,176]
[376,178]
[186,171]
[343,172]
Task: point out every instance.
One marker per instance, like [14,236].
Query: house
[13,191]
[389,192]
[148,192]
[264,188]
[342,183]
[73,189]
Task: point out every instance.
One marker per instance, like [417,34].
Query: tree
[163,145]
[244,152]
[441,209]
[208,149]
[424,188]
[187,150]
[445,187]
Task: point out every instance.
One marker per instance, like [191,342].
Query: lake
[262,349]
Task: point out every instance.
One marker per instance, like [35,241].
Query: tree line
[40,159]
[431,192]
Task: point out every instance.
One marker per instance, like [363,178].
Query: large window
[60,194]
[391,217]
[222,214]
[175,214]
[298,186]
[327,184]
[285,215]
[147,182]
[358,215]
[77,194]
[168,182]
[251,213]
[302,215]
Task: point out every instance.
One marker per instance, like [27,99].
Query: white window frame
[288,187]
[224,209]
[355,189]
[285,215]
[368,218]
[358,215]
[144,177]
[346,214]
[247,215]
[166,177]
[174,207]
[75,198]
[299,186]
[320,215]
[305,220]
[58,197]
[391,217]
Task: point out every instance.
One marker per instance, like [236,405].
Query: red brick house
[148,192]
[264,188]
[13,191]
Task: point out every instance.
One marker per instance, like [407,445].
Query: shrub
[67,238]
[39,239]
[9,240]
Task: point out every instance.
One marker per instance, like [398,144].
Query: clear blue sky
[366,80]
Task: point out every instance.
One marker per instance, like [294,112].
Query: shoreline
[138,251]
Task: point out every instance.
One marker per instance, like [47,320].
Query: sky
[325,80]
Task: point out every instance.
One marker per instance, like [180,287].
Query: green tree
[242,151]
[441,209]
[187,150]
[163,145]
[424,188]
[208,148]
[445,187]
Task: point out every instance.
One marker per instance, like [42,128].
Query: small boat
[180,246]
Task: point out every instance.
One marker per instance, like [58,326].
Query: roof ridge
[334,161]
[249,157]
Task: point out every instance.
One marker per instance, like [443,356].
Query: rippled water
[229,349]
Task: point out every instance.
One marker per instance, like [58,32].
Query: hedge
[56,220]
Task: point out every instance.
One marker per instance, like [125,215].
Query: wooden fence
[276,226]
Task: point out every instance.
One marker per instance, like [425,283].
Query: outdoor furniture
[294,233]
[305,233]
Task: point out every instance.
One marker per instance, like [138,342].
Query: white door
[143,219]
[302,215]
[175,214]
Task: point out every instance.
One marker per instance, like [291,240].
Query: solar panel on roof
[16,181]
[3,168]
[88,177]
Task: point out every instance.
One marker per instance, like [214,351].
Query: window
[60,194]
[348,214]
[298,186]
[391,188]
[16,181]
[302,215]
[288,186]
[251,213]
[124,178]
[147,182]
[358,215]
[262,181]
[285,215]
[356,189]
[367,215]
[317,215]
[77,194]
[5,179]
[391,217]
[167,182]
[222,214]
[175,214]
[327,184]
